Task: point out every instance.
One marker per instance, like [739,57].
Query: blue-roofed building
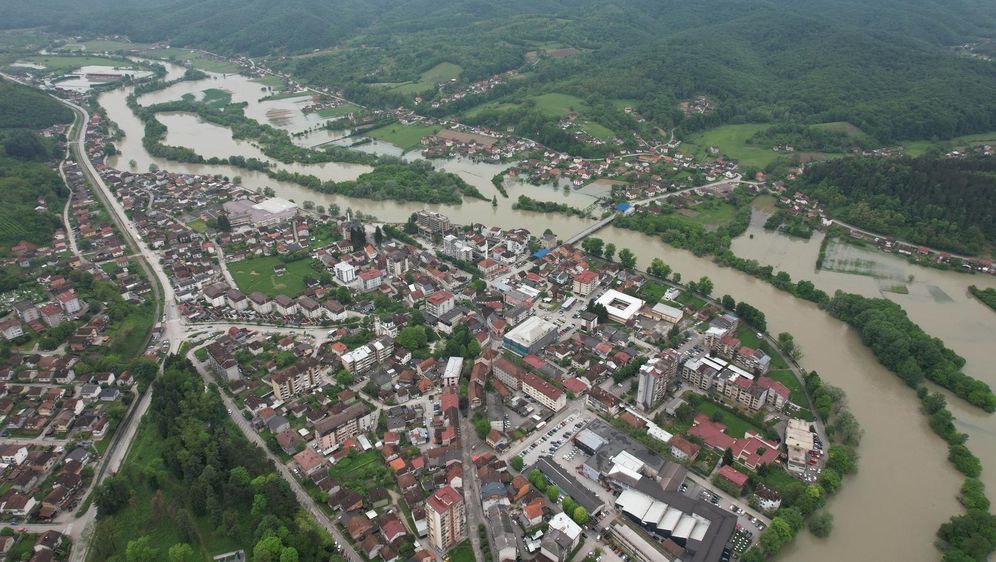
[624,208]
[541,253]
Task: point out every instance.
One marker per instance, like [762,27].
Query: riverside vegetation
[391,177]
[905,349]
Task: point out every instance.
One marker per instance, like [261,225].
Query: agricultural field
[196,58]
[442,72]
[343,109]
[405,137]
[559,105]
[256,274]
[490,106]
[732,142]
[710,214]
[271,80]
[598,131]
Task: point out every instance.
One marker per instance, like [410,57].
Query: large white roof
[620,305]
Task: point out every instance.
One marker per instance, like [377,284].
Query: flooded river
[904,489]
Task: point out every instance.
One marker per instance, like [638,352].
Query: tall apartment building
[447,518]
[431,223]
[296,379]
[655,376]
[364,357]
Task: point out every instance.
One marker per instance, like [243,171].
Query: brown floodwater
[904,489]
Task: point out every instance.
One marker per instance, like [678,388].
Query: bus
[568,303]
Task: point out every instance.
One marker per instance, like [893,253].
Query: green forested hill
[940,202]
[885,65]
[24,107]
[31,194]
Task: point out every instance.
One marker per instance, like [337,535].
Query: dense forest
[884,66]
[193,484]
[31,193]
[24,107]
[944,203]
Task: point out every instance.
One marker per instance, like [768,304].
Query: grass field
[598,131]
[343,109]
[429,79]
[490,106]
[559,105]
[64,64]
[198,225]
[736,426]
[732,141]
[100,46]
[198,59]
[711,214]
[285,95]
[796,393]
[405,137]
[916,148]
[270,80]
[256,274]
[462,552]
[138,518]
[216,98]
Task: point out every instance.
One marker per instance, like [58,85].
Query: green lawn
[686,298]
[63,64]
[198,59]
[559,105]
[732,141]
[748,337]
[785,376]
[736,426]
[256,274]
[429,79]
[198,225]
[622,104]
[598,131]
[490,106]
[343,109]
[463,552]
[710,214]
[271,80]
[405,137]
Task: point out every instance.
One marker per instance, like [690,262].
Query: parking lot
[748,522]
[553,439]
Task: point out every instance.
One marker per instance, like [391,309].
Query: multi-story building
[430,223]
[371,280]
[364,357]
[585,282]
[447,518]
[451,376]
[296,379]
[530,336]
[457,249]
[345,272]
[439,303]
[508,373]
[543,392]
[350,422]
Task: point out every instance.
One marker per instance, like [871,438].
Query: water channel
[904,489]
